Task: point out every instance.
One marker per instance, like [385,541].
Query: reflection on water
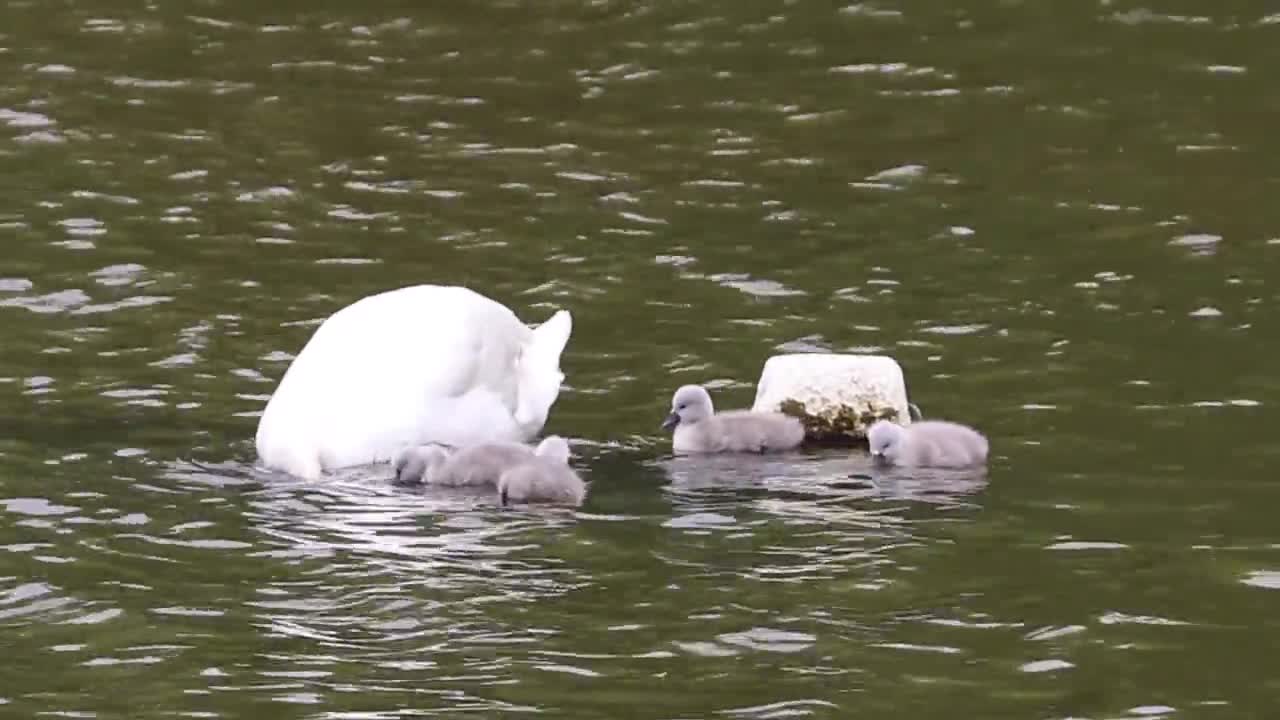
[827,475]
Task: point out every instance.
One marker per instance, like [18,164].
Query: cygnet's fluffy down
[544,478]
[928,443]
[413,463]
[473,465]
[700,429]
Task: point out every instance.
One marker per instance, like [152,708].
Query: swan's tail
[539,370]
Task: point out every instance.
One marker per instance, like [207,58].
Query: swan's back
[440,340]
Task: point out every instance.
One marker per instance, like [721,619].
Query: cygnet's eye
[681,406]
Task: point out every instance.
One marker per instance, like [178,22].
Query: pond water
[1058,217]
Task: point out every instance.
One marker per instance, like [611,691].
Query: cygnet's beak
[672,420]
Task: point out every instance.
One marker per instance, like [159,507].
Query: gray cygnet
[412,464]
[473,465]
[928,443]
[700,429]
[544,478]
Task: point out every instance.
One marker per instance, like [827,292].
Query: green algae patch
[840,424]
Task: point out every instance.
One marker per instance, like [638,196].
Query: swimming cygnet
[928,443]
[700,429]
[473,465]
[413,463]
[544,478]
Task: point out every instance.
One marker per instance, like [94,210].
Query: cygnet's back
[544,478]
[700,429]
[481,464]
[928,443]
[474,465]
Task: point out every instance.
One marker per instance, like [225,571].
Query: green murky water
[1059,217]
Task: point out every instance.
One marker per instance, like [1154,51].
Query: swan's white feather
[419,364]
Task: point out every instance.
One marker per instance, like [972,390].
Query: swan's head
[690,404]
[553,448]
[884,440]
[414,465]
[539,370]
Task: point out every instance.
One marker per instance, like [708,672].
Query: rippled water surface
[1059,217]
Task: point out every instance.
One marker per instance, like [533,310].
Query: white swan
[417,365]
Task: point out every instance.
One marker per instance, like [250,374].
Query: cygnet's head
[690,404]
[415,465]
[553,448]
[884,439]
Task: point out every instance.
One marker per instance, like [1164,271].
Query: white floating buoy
[837,397]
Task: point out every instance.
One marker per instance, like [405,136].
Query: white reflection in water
[848,474]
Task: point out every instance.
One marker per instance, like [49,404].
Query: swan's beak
[672,420]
